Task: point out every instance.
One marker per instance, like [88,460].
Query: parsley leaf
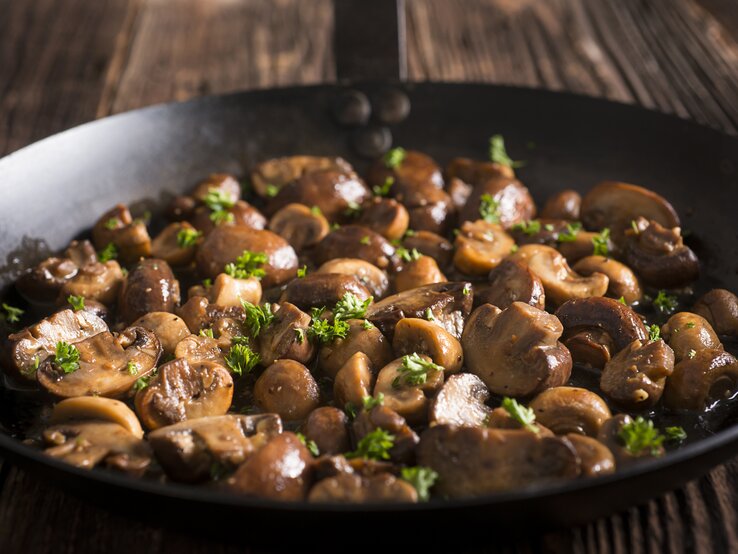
[241,359]
[207,333]
[489,208]
[219,203]
[326,331]
[77,302]
[600,243]
[188,237]
[374,446]
[309,444]
[676,434]
[665,303]
[350,307]
[66,357]
[302,271]
[111,223]
[353,209]
[572,230]
[530,228]
[12,314]
[394,157]
[248,264]
[384,190]
[257,317]
[408,255]
[414,370]
[110,252]
[422,478]
[525,416]
[143,382]
[370,402]
[654,332]
[132,368]
[692,353]
[272,191]
[367,325]
[365,240]
[300,334]
[498,153]
[640,435]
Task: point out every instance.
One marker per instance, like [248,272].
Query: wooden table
[64,62]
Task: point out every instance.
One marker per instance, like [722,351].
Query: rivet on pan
[352,108]
[372,141]
[391,106]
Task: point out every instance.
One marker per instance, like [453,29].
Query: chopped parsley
[640,436]
[143,382]
[207,283]
[309,444]
[12,314]
[498,153]
[394,157]
[353,209]
[302,271]
[110,252]
[489,208]
[219,203]
[350,409]
[429,315]
[257,317]
[384,189]
[367,325]
[572,230]
[654,332]
[272,190]
[622,301]
[665,303]
[422,478]
[634,226]
[66,357]
[692,353]
[600,243]
[374,446]
[365,240]
[132,368]
[207,333]
[188,237]
[111,223]
[248,264]
[221,217]
[676,434]
[315,210]
[350,307]
[370,402]
[326,331]
[300,335]
[523,415]
[241,359]
[467,290]
[530,228]
[408,255]
[514,248]
[690,325]
[414,370]
[76,302]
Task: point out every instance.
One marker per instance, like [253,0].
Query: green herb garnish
[110,252]
[248,264]
[690,325]
[241,359]
[665,303]
[530,228]
[188,237]
[272,190]
[572,230]
[408,255]
[498,153]
[302,271]
[309,444]
[219,203]
[525,416]
[257,317]
[422,478]
[414,370]
[374,446]
[353,209]
[640,435]
[132,368]
[367,325]
[12,314]
[111,223]
[66,357]
[326,331]
[384,189]
[370,402]
[600,243]
[365,240]
[207,333]
[77,302]
[489,208]
[654,332]
[394,157]
[676,434]
[300,334]
[692,353]
[350,307]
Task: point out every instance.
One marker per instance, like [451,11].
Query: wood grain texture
[64,62]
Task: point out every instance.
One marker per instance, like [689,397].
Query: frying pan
[55,189]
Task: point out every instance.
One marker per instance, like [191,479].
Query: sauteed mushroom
[128,235]
[286,337]
[514,202]
[425,337]
[360,338]
[480,247]
[686,333]
[168,328]
[706,377]
[356,241]
[570,410]
[510,282]
[418,272]
[301,226]
[460,401]
[368,275]
[564,204]
[622,281]
[720,308]
[430,244]
[322,289]
[271,175]
[354,381]
[386,216]
[176,243]
[150,287]
[287,388]
[352,488]
[409,399]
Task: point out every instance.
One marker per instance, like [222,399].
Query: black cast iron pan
[56,188]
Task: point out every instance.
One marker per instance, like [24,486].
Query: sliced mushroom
[383,417]
[287,388]
[328,428]
[287,337]
[500,418]
[473,461]
[182,391]
[417,273]
[415,170]
[354,381]
[96,281]
[332,191]
[166,245]
[480,247]
[317,290]
[241,214]
[97,407]
[659,256]
[697,382]
[108,365]
[636,376]
[278,172]
[230,291]
[514,202]
[475,172]
[609,435]
[564,204]
[198,348]
[570,410]
[370,341]
[280,470]
[42,283]
[560,282]
[189,450]
[516,352]
[385,216]
[687,333]
[595,458]
[90,443]
[357,489]
[511,282]
[31,346]
[356,241]
[369,275]
[595,329]
[226,243]
[720,308]
[583,245]
[81,252]
[222,183]
[623,282]
[539,231]
[168,328]
[409,400]
[301,226]
[430,244]
[445,304]
[129,235]
[461,401]
[425,337]
[150,287]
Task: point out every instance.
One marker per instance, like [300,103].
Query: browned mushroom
[356,241]
[99,408]
[199,348]
[460,401]
[659,256]
[414,170]
[222,183]
[516,352]
[107,366]
[570,410]
[280,470]
[475,172]
[169,245]
[190,450]
[511,282]
[328,428]
[183,390]
[514,202]
[353,488]
[287,388]
[408,399]
[198,313]
[636,376]
[425,337]
[446,304]
[271,175]
[480,247]
[622,281]
[128,235]
[286,337]
[360,338]
[301,226]
[720,308]
[701,380]
[240,214]
[418,272]
[96,281]
[595,458]
[30,347]
[168,328]
[230,291]
[316,290]
[354,381]
[564,204]
[539,231]
[226,243]
[459,191]
[474,461]
[369,275]
[383,417]
[149,287]
[430,244]
[429,208]
[560,282]
[386,216]
[687,333]
[582,245]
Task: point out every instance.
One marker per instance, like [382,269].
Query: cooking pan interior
[55,189]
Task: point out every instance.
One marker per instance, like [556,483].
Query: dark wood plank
[53,60]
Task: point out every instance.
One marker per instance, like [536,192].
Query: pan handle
[369,40]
